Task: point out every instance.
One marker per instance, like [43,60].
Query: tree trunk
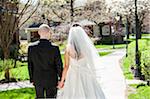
[6,52]
[15,63]
[7,74]
[6,56]
[148,82]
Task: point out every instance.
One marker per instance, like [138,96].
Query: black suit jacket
[44,64]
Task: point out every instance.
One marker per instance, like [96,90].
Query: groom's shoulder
[33,44]
[55,47]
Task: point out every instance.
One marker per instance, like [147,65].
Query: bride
[79,78]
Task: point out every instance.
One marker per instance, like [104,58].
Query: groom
[44,64]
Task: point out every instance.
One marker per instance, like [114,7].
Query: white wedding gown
[80,82]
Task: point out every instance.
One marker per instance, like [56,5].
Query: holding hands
[60,84]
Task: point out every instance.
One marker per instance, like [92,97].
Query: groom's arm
[30,64]
[58,62]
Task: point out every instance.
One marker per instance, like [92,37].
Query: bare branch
[57,15]
[30,15]
[26,6]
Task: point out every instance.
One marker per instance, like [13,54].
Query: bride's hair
[77,50]
[75,25]
[74,43]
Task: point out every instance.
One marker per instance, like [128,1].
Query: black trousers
[51,93]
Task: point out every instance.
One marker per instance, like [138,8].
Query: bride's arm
[66,66]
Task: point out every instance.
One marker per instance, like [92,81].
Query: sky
[24,1]
[79,3]
[108,1]
[82,2]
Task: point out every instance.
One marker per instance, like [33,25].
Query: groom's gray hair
[45,28]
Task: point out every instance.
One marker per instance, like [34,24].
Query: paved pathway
[18,85]
[109,74]
[129,82]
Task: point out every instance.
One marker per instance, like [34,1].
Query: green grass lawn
[129,61]
[104,53]
[142,92]
[126,68]
[117,46]
[24,93]
[20,73]
[146,35]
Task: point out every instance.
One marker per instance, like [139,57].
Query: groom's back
[44,63]
[43,57]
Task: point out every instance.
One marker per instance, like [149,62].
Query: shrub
[141,92]
[4,64]
[23,48]
[145,64]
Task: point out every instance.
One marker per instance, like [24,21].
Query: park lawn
[141,92]
[21,73]
[148,35]
[129,61]
[126,68]
[143,34]
[18,73]
[104,53]
[24,93]
[117,46]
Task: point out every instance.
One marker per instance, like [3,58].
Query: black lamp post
[127,31]
[112,35]
[137,54]
[113,41]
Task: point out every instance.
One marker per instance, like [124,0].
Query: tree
[54,10]
[64,9]
[138,10]
[99,14]
[127,9]
[11,19]
[93,11]
[67,11]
